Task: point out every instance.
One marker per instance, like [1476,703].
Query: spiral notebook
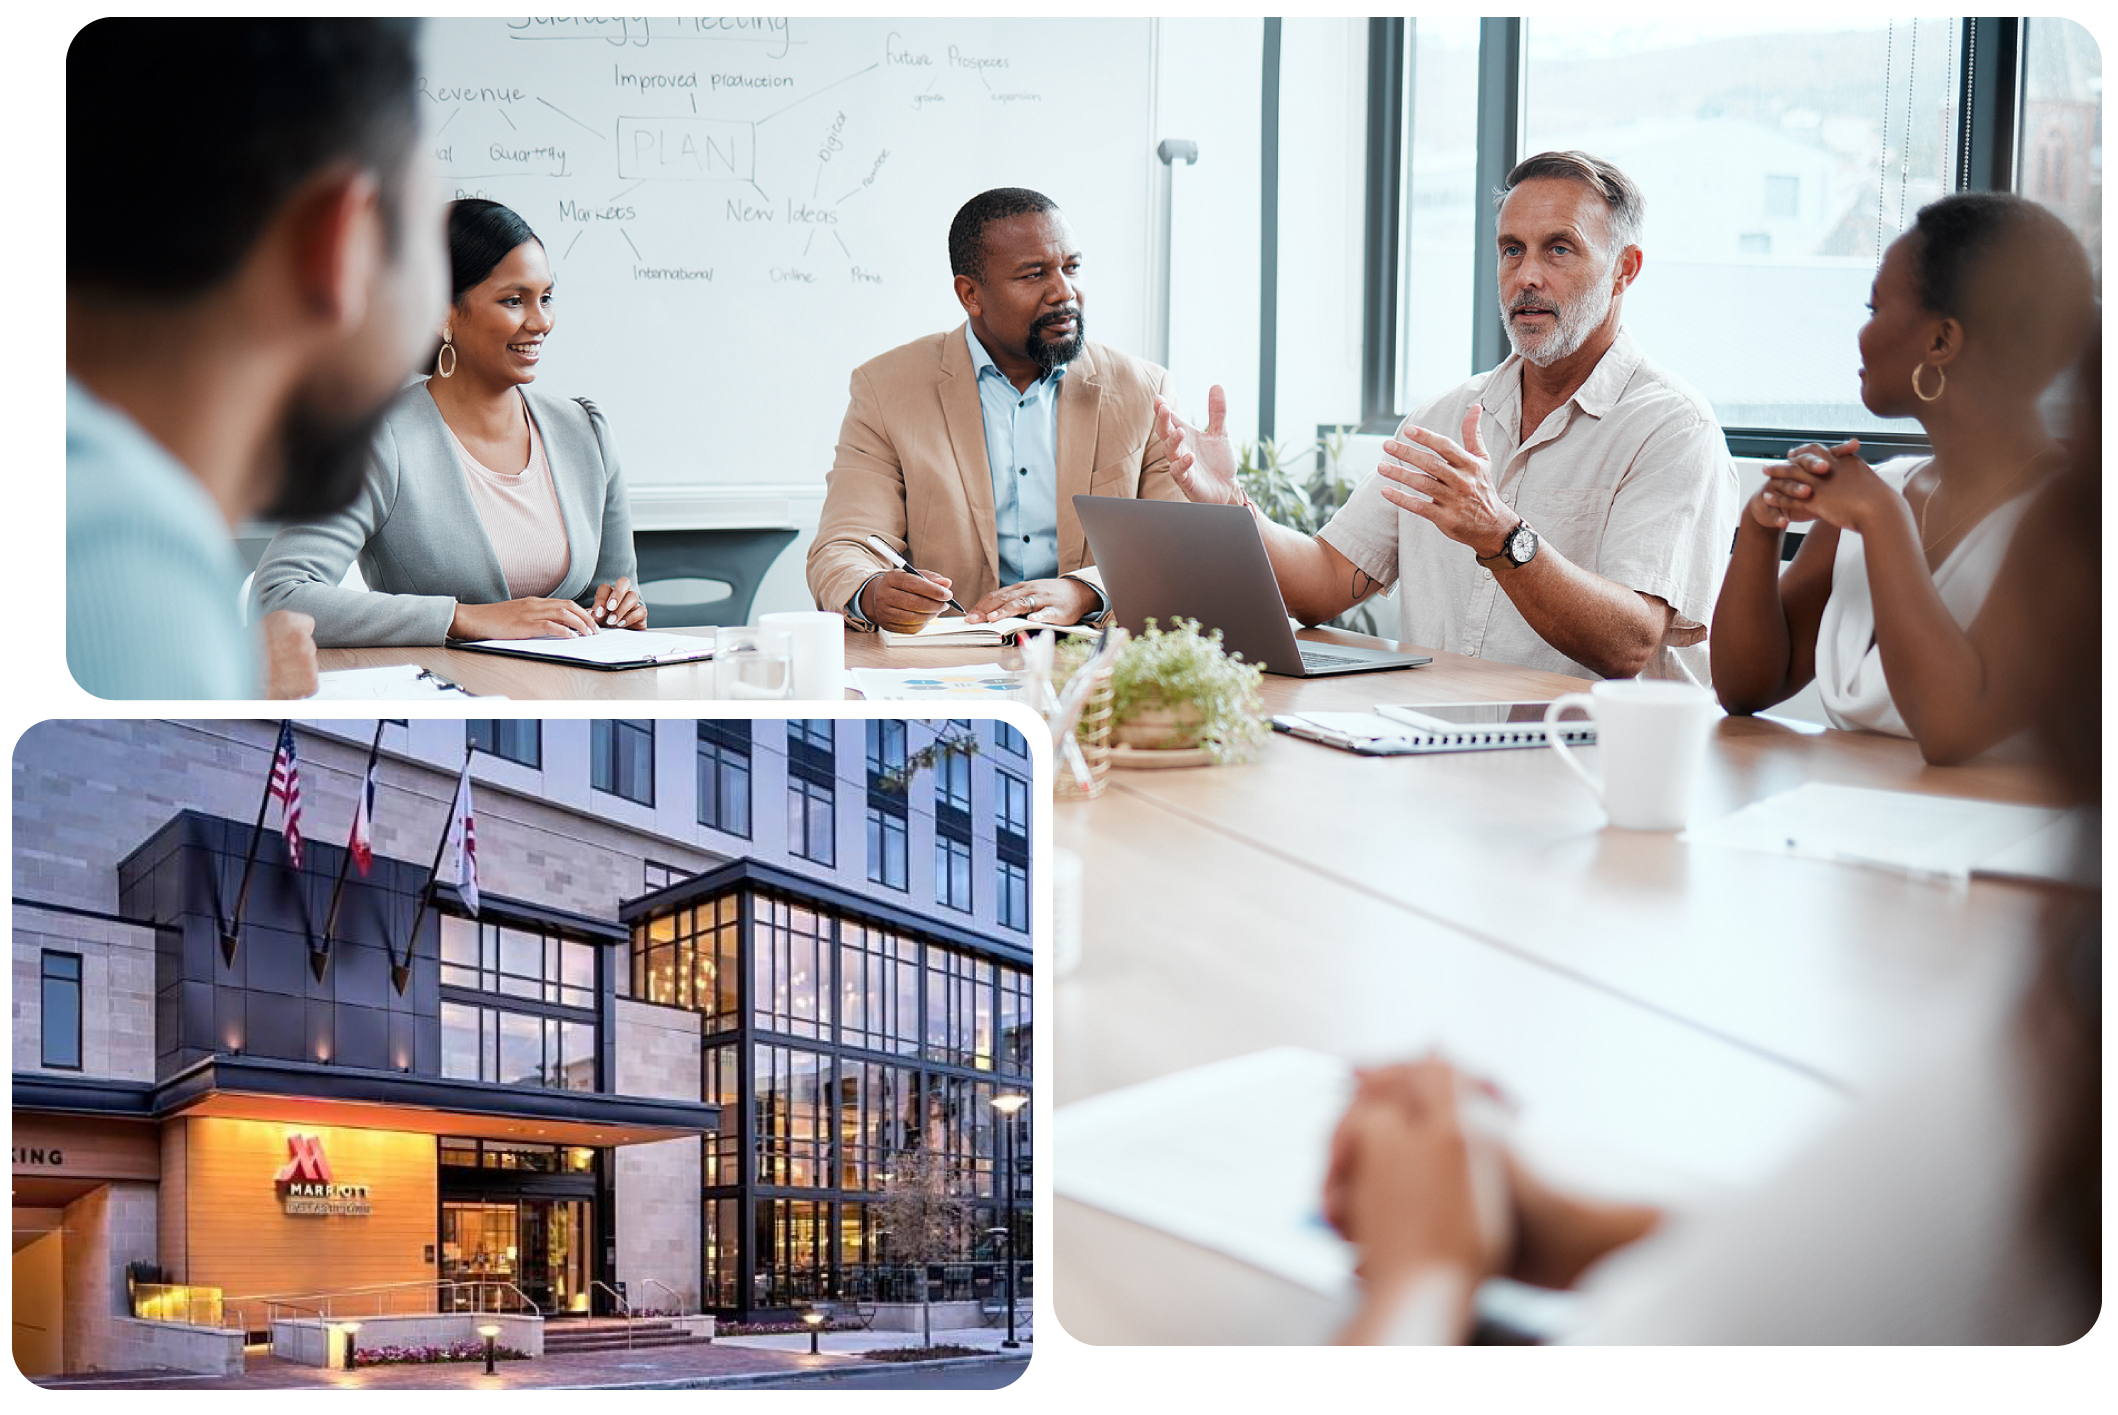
[1412,729]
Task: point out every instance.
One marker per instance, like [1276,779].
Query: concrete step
[614,1338]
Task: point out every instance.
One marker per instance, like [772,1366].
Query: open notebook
[953,631]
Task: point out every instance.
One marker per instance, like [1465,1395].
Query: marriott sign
[305,1183]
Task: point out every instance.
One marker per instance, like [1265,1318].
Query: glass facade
[847,1044]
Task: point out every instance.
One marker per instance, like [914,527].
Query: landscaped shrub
[434,1355]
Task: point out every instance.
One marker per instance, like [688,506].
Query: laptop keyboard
[1326,660]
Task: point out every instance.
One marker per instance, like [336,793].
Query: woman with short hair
[1975,311]
[491,510]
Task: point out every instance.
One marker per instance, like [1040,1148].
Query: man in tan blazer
[1018,387]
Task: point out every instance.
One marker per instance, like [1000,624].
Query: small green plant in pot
[1176,689]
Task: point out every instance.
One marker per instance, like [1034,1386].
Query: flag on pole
[463,840]
[286,788]
[363,842]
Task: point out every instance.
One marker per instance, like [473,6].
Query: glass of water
[753,665]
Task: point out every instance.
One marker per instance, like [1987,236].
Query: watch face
[1522,545]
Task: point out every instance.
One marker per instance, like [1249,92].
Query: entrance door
[541,1246]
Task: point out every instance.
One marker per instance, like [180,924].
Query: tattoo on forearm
[1364,585]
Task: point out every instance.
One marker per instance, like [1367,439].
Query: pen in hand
[896,561]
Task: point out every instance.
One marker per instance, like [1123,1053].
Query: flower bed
[782,1328]
[921,1353]
[435,1355]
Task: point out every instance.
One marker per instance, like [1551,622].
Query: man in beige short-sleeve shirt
[1571,510]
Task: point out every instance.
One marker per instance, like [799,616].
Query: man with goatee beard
[963,451]
[1570,511]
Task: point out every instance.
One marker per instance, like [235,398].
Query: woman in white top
[490,510]
[1974,312]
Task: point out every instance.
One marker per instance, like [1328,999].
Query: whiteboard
[740,211]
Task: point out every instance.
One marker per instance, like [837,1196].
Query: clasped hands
[617,606]
[1818,483]
[1445,482]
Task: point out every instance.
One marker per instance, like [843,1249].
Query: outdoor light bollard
[815,1321]
[489,1331]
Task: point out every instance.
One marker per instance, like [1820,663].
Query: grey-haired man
[1570,510]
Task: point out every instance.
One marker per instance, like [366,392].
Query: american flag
[362,844]
[287,790]
[463,838]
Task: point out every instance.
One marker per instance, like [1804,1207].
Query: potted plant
[1177,691]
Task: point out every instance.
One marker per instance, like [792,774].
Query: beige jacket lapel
[1080,408]
[965,418]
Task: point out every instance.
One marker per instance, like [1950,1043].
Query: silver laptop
[1165,560]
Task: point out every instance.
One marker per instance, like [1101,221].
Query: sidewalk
[855,1342]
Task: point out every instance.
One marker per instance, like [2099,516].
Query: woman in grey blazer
[451,546]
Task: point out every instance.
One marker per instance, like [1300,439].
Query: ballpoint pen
[882,548]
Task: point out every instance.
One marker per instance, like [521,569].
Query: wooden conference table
[1697,1010]
[678,691]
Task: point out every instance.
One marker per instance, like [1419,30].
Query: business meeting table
[1702,1010]
[676,691]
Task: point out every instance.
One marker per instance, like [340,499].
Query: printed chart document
[400,682]
[607,649]
[954,631]
[978,681]
[1942,836]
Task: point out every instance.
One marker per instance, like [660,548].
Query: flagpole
[338,890]
[434,875]
[242,893]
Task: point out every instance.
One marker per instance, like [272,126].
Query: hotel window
[960,1128]
[1015,1021]
[463,1152]
[622,758]
[655,875]
[1009,740]
[516,1048]
[724,776]
[959,1009]
[889,850]
[812,813]
[518,960]
[790,1094]
[1017,736]
[722,1237]
[952,872]
[688,958]
[516,739]
[60,1011]
[791,968]
[722,1086]
[1011,847]
[791,1239]
[878,1115]
[878,982]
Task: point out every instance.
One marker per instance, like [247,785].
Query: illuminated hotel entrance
[542,1246]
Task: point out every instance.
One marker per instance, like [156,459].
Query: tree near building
[926,1217]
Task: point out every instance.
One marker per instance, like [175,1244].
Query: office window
[60,1011]
[886,751]
[2062,127]
[1014,795]
[812,820]
[688,958]
[622,758]
[516,1048]
[517,739]
[519,960]
[1856,111]
[724,776]
[790,973]
[952,872]
[952,781]
[817,732]
[888,848]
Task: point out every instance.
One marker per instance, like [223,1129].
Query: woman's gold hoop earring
[1940,373]
[448,351]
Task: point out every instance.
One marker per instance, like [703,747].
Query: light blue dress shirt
[1022,455]
[152,573]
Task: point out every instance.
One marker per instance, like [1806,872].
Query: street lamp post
[1009,1106]
[489,1331]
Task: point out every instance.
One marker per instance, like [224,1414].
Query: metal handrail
[676,1307]
[625,1307]
[380,1291]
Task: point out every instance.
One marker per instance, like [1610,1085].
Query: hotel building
[721,972]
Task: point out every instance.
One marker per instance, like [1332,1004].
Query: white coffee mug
[753,664]
[1652,733]
[819,639]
